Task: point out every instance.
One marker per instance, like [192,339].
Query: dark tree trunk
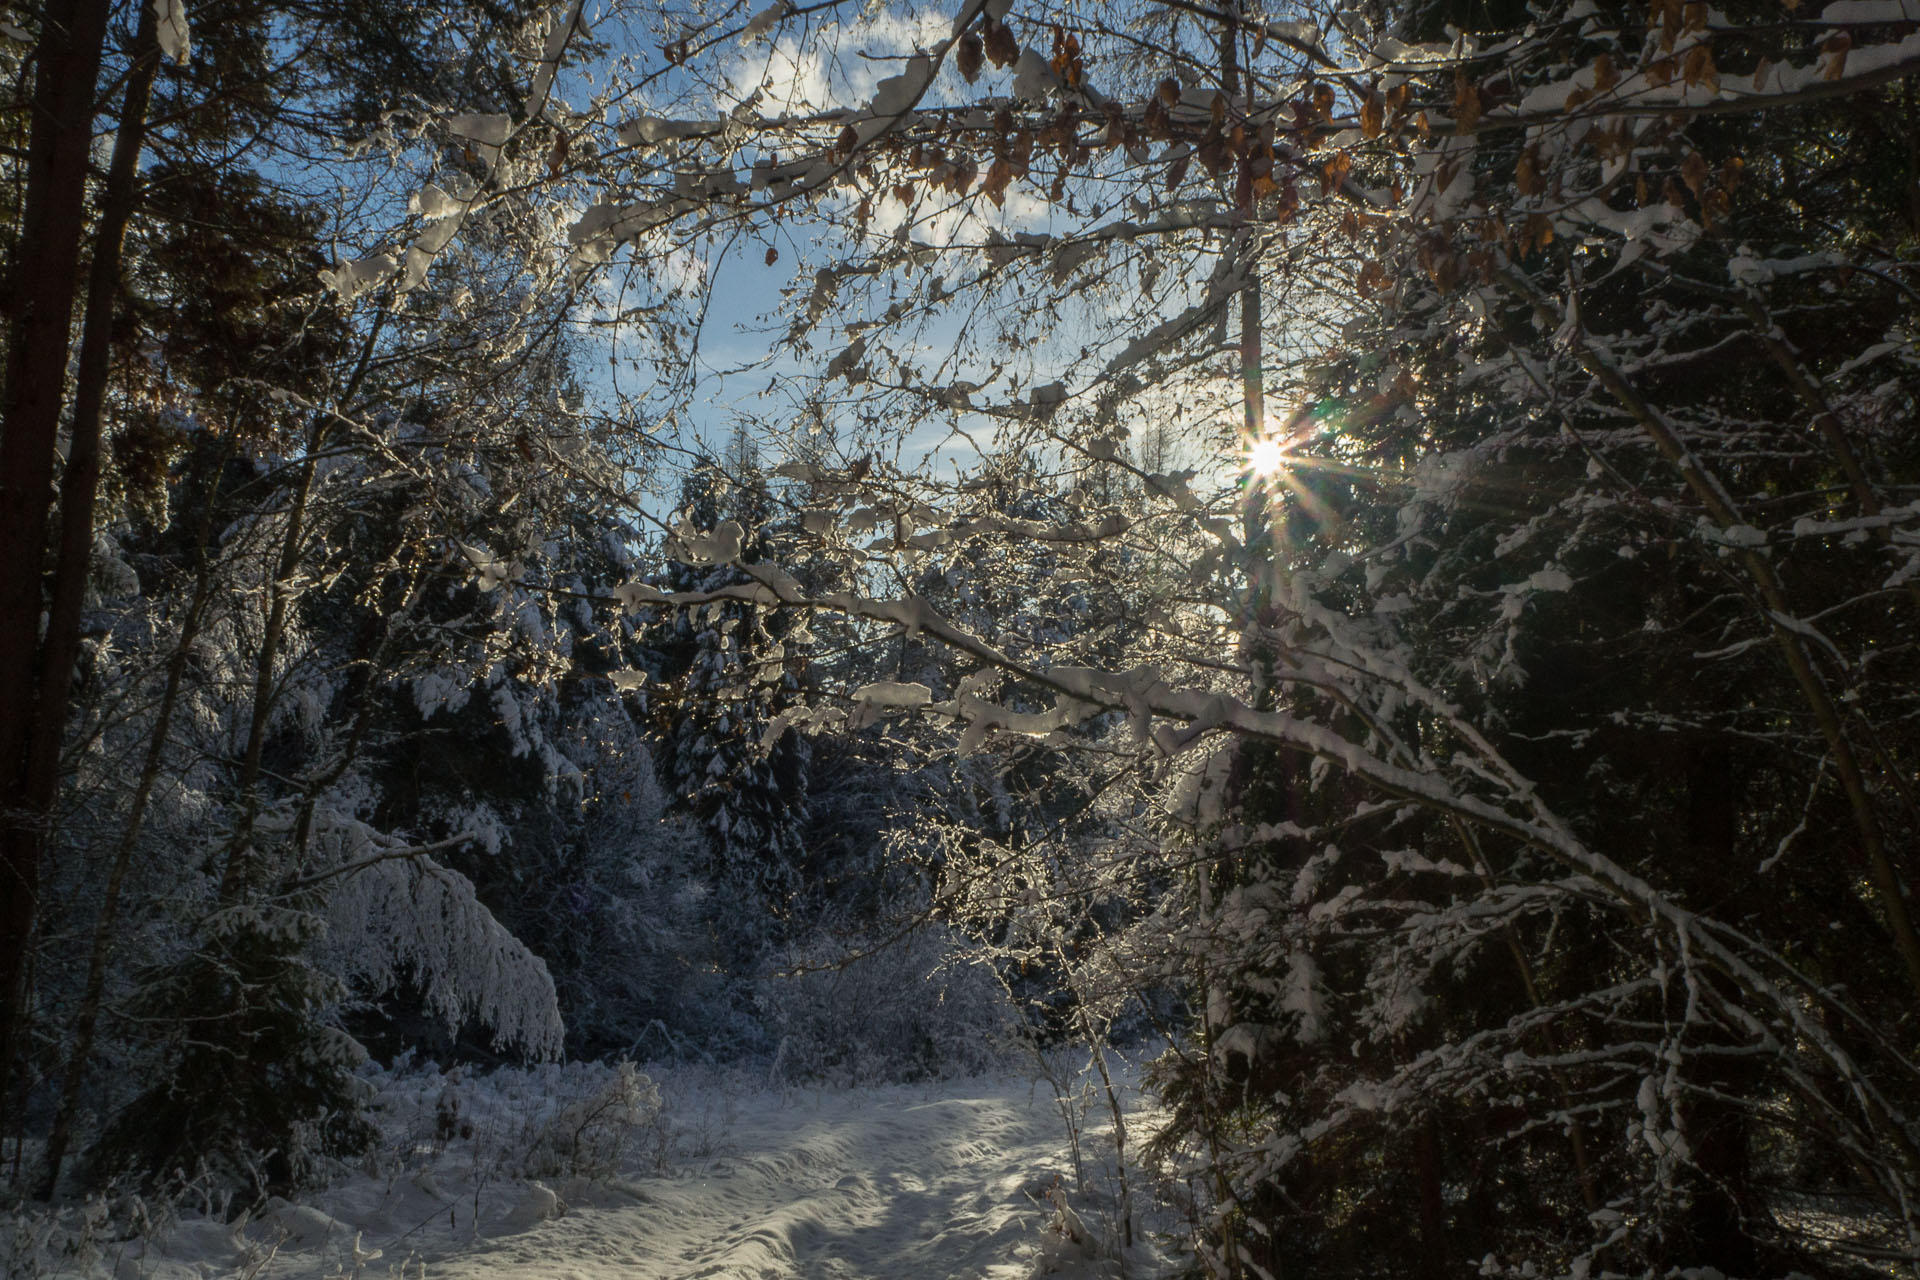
[1433,1202]
[1718,1230]
[78,485]
[41,289]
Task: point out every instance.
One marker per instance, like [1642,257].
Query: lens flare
[1266,456]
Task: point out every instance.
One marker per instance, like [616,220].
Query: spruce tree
[725,759]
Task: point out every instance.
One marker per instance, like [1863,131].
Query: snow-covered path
[894,1182]
[874,1183]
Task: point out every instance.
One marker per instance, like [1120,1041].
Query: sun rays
[1271,460]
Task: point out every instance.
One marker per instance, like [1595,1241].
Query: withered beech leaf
[968,56]
[1001,48]
[1693,171]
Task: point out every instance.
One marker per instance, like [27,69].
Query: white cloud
[834,65]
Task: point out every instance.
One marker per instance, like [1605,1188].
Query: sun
[1266,456]
[1270,453]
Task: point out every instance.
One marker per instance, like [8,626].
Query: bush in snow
[593,1134]
[581,1120]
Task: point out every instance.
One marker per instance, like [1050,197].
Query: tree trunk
[87,1020]
[240,861]
[78,485]
[1718,1128]
[39,313]
[1433,1203]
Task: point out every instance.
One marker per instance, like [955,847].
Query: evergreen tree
[725,757]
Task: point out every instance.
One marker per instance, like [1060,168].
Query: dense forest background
[1377,548]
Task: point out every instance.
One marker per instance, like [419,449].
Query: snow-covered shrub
[103,1232]
[44,1241]
[595,1133]
[912,1009]
[581,1119]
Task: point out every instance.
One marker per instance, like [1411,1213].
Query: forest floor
[972,1178]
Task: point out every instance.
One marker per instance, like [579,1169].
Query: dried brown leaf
[1373,115]
[1693,171]
[969,55]
[1466,103]
[1835,63]
[1699,67]
[1526,175]
[1001,48]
